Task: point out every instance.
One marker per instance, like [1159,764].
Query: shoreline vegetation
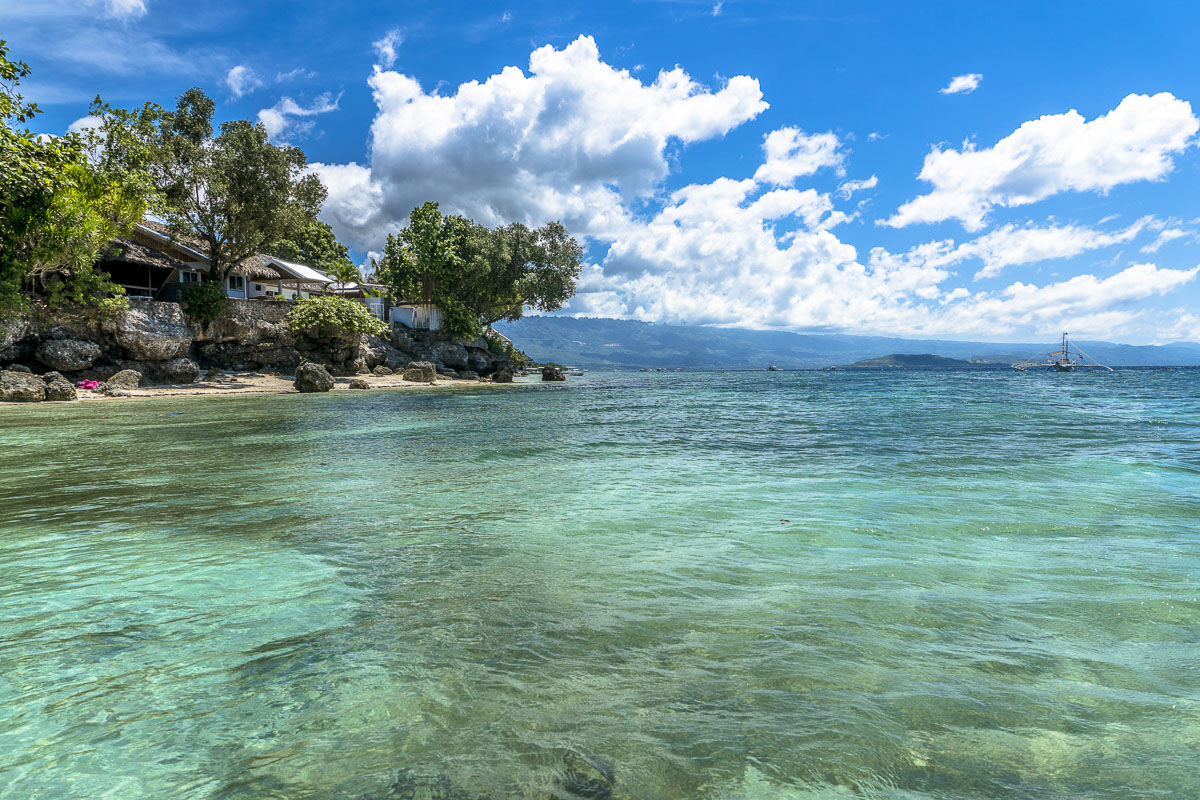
[158,243]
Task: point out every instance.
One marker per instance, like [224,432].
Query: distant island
[897,361]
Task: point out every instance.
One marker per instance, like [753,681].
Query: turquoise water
[738,585]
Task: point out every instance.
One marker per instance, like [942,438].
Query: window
[258,287]
[237,283]
[189,276]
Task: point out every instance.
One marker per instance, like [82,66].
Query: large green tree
[477,276]
[316,245]
[235,191]
[58,210]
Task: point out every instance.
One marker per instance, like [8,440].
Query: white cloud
[850,187]
[963,84]
[125,9]
[792,153]
[242,80]
[716,9]
[1011,245]
[386,47]
[1164,236]
[287,119]
[84,124]
[574,139]
[297,74]
[1052,154]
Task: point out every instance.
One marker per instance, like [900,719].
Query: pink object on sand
[89,385]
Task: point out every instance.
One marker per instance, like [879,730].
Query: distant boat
[773,368]
[1064,359]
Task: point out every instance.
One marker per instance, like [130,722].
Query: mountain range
[627,344]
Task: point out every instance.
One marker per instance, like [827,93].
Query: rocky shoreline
[44,354]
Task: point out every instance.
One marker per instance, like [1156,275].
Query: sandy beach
[254,383]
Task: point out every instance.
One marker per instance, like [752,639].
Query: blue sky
[985,171]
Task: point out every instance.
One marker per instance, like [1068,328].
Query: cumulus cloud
[242,80]
[791,153]
[288,120]
[1011,245]
[573,139]
[1055,153]
[385,48]
[963,84]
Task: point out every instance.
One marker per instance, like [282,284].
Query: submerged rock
[420,372]
[69,355]
[552,374]
[21,387]
[312,377]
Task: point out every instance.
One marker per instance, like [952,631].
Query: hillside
[922,361]
[626,344]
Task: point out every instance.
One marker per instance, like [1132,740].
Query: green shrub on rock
[312,314]
[204,301]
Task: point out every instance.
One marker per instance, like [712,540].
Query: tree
[316,245]
[478,276]
[57,209]
[236,192]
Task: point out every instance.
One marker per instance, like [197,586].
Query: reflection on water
[739,585]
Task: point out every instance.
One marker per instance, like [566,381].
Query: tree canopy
[316,245]
[235,191]
[57,209]
[475,275]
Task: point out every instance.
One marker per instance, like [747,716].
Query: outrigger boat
[1064,359]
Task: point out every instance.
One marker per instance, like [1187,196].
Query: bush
[313,313]
[204,301]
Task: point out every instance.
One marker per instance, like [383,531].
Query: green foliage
[495,344]
[315,245]
[478,276]
[235,191]
[312,314]
[58,208]
[516,358]
[204,301]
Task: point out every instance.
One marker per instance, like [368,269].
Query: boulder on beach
[312,377]
[382,370]
[21,387]
[359,383]
[60,389]
[420,372]
[552,374]
[180,370]
[468,375]
[68,355]
[125,379]
[502,375]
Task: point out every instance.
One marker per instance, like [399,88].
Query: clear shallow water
[986,586]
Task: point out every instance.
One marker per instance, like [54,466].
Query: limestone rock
[21,387]
[468,375]
[179,370]
[312,377]
[420,372]
[451,354]
[68,355]
[502,375]
[480,360]
[382,370]
[125,379]
[151,331]
[552,374]
[49,376]
[359,383]
[20,368]
[377,350]
[59,389]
